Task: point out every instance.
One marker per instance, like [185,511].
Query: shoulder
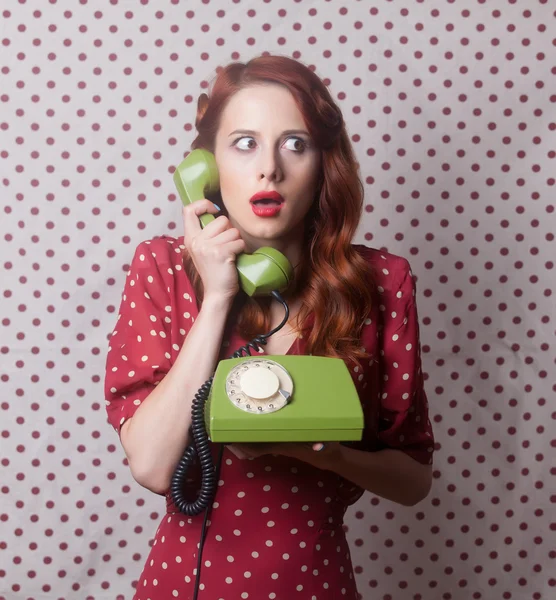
[161,250]
[160,257]
[158,262]
[390,270]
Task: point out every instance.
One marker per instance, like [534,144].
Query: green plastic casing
[195,177]
[259,273]
[324,406]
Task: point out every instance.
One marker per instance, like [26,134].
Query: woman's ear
[202,105]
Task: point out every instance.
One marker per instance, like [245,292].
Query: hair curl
[334,282]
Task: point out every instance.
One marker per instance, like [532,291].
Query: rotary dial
[259,386]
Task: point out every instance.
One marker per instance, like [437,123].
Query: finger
[192,212]
[229,235]
[237,452]
[254,449]
[234,248]
[247,450]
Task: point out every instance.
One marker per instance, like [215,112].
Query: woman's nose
[270,167]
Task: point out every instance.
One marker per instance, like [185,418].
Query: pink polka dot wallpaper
[451,111]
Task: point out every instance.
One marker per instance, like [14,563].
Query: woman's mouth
[266,204]
[266,208]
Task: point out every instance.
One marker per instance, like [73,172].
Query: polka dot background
[451,109]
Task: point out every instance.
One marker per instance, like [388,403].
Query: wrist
[216,302]
[338,459]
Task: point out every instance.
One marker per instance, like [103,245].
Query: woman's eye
[247,143]
[245,146]
[298,144]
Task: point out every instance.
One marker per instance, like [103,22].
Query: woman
[276,524]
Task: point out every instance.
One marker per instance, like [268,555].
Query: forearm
[155,437]
[391,474]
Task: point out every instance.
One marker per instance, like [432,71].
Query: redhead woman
[276,524]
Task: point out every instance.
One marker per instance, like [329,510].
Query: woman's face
[262,144]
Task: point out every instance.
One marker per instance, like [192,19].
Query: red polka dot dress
[275,530]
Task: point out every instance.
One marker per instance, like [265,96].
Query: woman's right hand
[213,250]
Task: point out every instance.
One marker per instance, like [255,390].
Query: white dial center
[259,383]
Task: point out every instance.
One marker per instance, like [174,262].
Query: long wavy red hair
[334,281]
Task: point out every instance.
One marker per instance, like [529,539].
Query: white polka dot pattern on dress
[255,506]
[400,424]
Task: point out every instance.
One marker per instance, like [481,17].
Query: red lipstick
[266,204]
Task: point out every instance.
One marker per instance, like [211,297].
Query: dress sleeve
[403,415]
[139,348]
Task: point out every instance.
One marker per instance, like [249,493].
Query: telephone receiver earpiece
[259,273]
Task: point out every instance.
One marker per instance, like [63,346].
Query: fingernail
[217,207]
[318,447]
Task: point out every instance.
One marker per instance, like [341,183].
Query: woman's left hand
[323,456]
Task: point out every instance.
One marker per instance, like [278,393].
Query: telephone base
[324,405]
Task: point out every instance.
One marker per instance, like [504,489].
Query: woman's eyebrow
[251,132]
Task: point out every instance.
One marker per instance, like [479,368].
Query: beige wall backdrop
[451,109]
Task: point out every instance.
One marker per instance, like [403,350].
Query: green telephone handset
[259,273]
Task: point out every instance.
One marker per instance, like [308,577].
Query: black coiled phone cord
[200,447]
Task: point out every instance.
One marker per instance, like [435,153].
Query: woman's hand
[213,249]
[322,456]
